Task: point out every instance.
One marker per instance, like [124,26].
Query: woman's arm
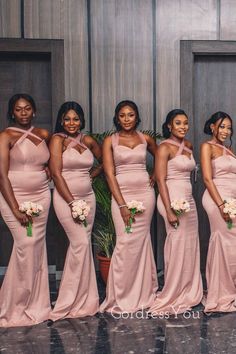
[152,148]
[97,153]
[206,164]
[55,166]
[162,157]
[109,169]
[5,184]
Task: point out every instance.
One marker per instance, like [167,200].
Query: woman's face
[127,118]
[23,112]
[179,126]
[221,130]
[71,122]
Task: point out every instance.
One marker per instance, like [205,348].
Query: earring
[33,114]
[13,117]
[170,130]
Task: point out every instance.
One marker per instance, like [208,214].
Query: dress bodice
[180,166]
[73,160]
[224,166]
[129,159]
[26,155]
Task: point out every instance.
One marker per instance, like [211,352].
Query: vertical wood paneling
[10,18]
[64,19]
[176,20]
[121,42]
[76,53]
[42,19]
[227,19]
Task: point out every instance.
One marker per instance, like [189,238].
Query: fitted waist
[177,178]
[28,169]
[131,168]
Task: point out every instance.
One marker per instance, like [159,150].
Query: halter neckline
[25,134]
[181,146]
[225,149]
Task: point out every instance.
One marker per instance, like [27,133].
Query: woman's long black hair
[65,107]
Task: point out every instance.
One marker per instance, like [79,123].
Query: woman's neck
[178,140]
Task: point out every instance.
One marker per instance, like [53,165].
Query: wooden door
[208,77]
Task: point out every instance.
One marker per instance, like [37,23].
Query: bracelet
[122,206]
[70,202]
[221,204]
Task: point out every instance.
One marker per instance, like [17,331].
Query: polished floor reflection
[191,333]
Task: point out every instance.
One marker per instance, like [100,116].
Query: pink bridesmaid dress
[132,279]
[183,282]
[78,294]
[221,257]
[24,296]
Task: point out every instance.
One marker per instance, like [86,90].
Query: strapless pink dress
[24,296]
[132,280]
[183,282]
[221,257]
[78,294]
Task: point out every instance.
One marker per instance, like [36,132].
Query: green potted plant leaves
[103,230]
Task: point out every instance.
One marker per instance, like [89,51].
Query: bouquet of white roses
[80,210]
[179,207]
[31,209]
[230,209]
[135,207]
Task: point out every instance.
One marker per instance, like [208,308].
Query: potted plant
[103,230]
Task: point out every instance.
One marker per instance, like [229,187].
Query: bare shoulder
[149,139]
[188,144]
[164,149]
[108,140]
[6,135]
[206,148]
[88,140]
[42,133]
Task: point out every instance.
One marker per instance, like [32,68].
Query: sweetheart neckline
[130,147]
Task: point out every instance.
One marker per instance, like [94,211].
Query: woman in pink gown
[132,279]
[24,296]
[219,174]
[174,163]
[72,157]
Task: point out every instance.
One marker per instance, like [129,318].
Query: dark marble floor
[190,333]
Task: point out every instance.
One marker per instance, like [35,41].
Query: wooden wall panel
[64,19]
[121,58]
[227,19]
[176,20]
[10,25]
[76,53]
[42,19]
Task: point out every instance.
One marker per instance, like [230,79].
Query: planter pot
[104,264]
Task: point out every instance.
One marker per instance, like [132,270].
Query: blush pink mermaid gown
[78,294]
[132,279]
[183,283]
[221,257]
[24,296]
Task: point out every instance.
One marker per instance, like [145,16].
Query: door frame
[52,47]
[189,49]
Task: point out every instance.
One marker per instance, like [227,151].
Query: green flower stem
[29,229]
[229,224]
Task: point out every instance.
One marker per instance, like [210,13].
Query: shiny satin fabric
[132,279]
[78,294]
[24,295]
[183,283]
[221,257]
